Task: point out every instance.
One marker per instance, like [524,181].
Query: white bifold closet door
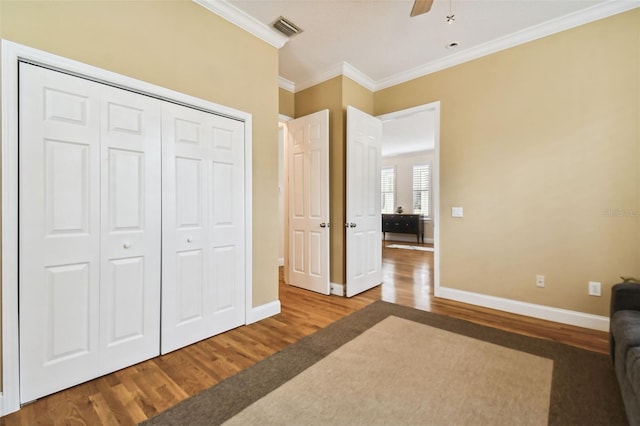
[203,235]
[131,216]
[90,223]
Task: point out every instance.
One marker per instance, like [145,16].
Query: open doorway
[410,196]
[282,195]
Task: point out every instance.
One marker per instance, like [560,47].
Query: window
[421,189]
[388,189]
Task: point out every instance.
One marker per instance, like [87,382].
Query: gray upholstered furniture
[625,345]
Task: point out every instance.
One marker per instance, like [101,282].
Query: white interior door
[88,304]
[364,220]
[203,226]
[308,199]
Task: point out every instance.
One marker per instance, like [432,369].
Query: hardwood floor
[136,393]
[408,279]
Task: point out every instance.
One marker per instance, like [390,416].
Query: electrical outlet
[539,280]
[595,288]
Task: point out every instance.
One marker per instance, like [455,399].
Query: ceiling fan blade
[420,7]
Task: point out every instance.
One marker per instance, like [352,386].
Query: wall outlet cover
[595,288]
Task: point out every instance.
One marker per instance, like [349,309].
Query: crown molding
[358,76]
[248,23]
[285,84]
[329,73]
[591,14]
[341,68]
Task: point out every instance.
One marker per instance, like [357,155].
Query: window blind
[388,189]
[421,189]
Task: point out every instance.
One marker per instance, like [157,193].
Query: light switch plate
[457,212]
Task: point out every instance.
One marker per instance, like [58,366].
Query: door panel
[59,228]
[363,230]
[226,224]
[69,335]
[66,165]
[130,227]
[89,230]
[203,228]
[308,183]
[223,278]
[190,285]
[126,190]
[189,193]
[125,295]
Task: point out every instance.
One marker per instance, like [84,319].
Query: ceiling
[408,134]
[379,43]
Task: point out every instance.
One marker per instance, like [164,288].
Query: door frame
[283,184]
[12,54]
[435,180]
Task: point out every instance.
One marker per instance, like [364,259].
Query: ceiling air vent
[286,27]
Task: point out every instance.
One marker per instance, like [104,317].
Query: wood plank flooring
[134,394]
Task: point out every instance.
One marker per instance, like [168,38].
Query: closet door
[203,226]
[89,230]
[130,228]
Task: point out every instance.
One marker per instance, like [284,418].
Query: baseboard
[7,406]
[281,261]
[564,316]
[337,289]
[404,238]
[261,312]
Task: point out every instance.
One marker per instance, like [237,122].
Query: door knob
[189,239]
[126,245]
[323,225]
[352,225]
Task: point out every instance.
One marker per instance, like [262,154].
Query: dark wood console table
[404,224]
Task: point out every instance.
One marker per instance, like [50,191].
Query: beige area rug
[400,371]
[409,247]
[415,368]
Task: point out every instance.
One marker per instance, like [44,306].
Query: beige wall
[356,96]
[541,146]
[286,102]
[184,47]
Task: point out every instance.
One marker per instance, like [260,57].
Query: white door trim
[435,108]
[12,53]
[283,170]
